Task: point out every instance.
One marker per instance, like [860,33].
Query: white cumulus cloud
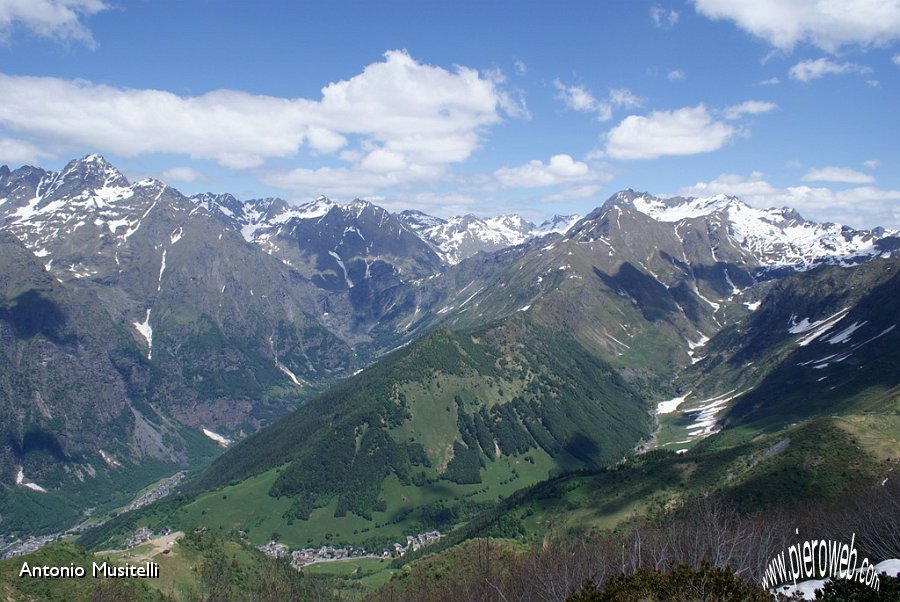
[749,107]
[560,169]
[827,24]
[397,121]
[809,70]
[837,174]
[57,19]
[685,131]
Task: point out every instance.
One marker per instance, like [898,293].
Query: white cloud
[750,107]
[751,189]
[837,174]
[827,24]
[181,174]
[382,160]
[814,69]
[584,191]
[675,74]
[872,163]
[440,204]
[772,81]
[579,98]
[896,59]
[623,97]
[397,121]
[324,140]
[861,207]
[521,67]
[343,182]
[662,18]
[55,19]
[511,100]
[561,169]
[16,152]
[686,131]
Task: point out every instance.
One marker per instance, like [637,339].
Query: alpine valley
[339,374]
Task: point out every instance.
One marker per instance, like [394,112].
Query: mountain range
[143,328]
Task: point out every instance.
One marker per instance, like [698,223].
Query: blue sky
[453,107]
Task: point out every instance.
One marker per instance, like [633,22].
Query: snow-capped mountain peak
[460,237]
[772,238]
[417,220]
[92,172]
[677,208]
[558,223]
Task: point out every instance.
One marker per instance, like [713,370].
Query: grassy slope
[817,460]
[248,506]
[395,450]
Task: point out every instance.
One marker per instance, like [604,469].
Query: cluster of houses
[301,558]
[413,543]
[274,550]
[144,534]
[138,537]
[19,547]
[27,546]
[158,492]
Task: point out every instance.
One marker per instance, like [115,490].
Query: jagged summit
[94,171]
[460,237]
[769,238]
[557,223]
[419,220]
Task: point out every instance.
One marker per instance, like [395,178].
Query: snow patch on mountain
[844,335]
[817,328]
[146,331]
[162,268]
[705,414]
[21,482]
[288,372]
[109,459]
[670,405]
[216,437]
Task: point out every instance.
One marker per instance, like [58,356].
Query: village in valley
[307,556]
[301,558]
